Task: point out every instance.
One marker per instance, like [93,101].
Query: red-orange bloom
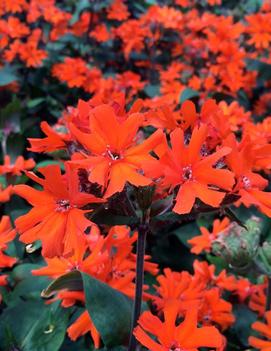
[185,336]
[204,241]
[56,218]
[249,184]
[17,167]
[186,166]
[214,309]
[111,155]
[265,330]
[53,141]
[179,287]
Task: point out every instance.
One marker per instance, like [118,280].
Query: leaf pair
[109,309]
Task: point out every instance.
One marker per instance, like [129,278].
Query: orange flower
[249,184]
[14,28]
[53,141]
[109,259]
[206,272]
[79,260]
[214,309]
[179,287]
[13,6]
[265,330]
[5,193]
[100,33]
[186,166]
[81,326]
[257,300]
[185,336]
[56,218]
[204,241]
[235,114]
[72,70]
[118,11]
[16,168]
[114,160]
[259,29]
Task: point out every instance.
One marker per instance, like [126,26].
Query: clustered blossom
[220,43]
[195,155]
[190,156]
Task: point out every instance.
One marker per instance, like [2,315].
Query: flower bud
[144,196]
[237,245]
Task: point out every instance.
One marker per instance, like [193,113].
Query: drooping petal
[185,199]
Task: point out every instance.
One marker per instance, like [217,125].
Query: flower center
[246,182]
[63,205]
[187,173]
[113,155]
[175,347]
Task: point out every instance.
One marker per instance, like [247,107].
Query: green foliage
[188,94]
[109,309]
[7,75]
[37,327]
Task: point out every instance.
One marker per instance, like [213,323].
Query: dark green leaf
[244,318]
[152,90]
[70,281]
[263,68]
[28,289]
[109,309]
[7,75]
[23,271]
[49,162]
[37,327]
[110,218]
[186,232]
[232,216]
[188,94]
[35,102]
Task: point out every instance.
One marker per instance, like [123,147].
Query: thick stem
[140,253]
[268,295]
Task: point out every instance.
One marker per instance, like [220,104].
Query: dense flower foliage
[135,132]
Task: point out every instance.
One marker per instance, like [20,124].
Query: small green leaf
[70,281]
[152,90]
[35,102]
[81,6]
[188,94]
[7,75]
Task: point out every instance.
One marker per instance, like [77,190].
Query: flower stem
[268,295]
[140,253]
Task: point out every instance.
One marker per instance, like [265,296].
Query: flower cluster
[136,156]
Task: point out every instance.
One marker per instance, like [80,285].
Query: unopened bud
[237,245]
[144,196]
